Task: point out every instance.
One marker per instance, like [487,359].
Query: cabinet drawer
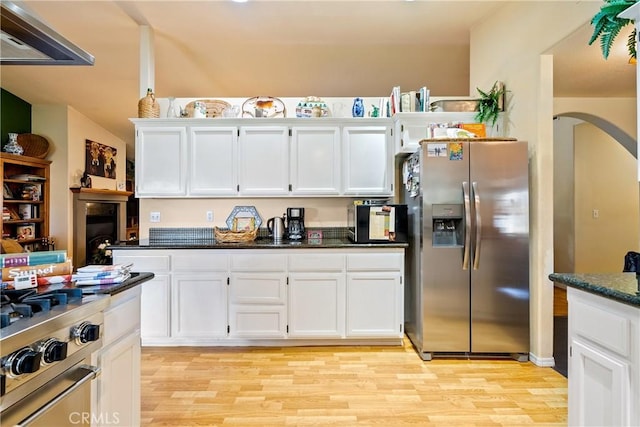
[258,288]
[152,263]
[258,262]
[608,329]
[375,262]
[200,262]
[316,262]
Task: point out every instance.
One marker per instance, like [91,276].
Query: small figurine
[85,181]
[375,111]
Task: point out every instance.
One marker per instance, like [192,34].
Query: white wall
[67,129]
[606,181]
[509,46]
[319,212]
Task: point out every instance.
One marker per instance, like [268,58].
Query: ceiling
[327,48]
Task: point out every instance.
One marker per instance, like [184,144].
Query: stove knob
[23,361]
[53,351]
[85,332]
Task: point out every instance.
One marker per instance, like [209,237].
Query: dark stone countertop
[260,243]
[621,287]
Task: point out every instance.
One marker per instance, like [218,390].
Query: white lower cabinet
[316,295]
[257,305]
[236,297]
[199,295]
[375,306]
[258,295]
[316,305]
[155,316]
[604,361]
[199,305]
[117,389]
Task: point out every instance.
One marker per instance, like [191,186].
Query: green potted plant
[607,25]
[490,104]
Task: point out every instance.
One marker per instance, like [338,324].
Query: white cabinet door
[118,386]
[155,310]
[599,392]
[408,135]
[315,160]
[257,305]
[367,161]
[374,304]
[264,160]
[213,160]
[199,305]
[316,305]
[161,153]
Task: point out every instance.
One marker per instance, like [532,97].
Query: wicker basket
[34,145]
[228,236]
[148,107]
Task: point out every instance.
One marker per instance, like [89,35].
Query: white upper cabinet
[367,160]
[264,160]
[315,160]
[213,157]
[161,153]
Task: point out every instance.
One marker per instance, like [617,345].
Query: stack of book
[408,102]
[49,266]
[102,274]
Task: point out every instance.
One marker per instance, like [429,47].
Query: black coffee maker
[295,223]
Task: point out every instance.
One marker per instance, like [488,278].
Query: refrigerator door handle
[476,202]
[467,225]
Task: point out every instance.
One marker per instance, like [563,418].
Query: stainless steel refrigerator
[467,272]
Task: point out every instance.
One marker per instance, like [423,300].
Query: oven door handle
[87,373]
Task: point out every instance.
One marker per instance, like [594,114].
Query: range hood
[25,40]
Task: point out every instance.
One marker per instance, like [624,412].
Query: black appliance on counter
[295,223]
[374,221]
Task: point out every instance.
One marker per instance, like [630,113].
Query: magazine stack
[99,274]
[48,266]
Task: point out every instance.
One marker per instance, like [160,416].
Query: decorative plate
[215,107]
[263,106]
[243,218]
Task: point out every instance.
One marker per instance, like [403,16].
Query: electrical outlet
[596,214]
[209,216]
[154,217]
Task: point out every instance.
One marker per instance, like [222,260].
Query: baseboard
[543,362]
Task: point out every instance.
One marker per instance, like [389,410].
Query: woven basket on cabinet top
[34,145]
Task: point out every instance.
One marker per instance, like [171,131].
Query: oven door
[65,400]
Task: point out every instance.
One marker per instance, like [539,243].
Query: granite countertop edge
[621,287]
[260,244]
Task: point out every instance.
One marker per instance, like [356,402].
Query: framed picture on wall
[100,159]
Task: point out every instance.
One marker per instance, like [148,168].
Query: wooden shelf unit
[25,211]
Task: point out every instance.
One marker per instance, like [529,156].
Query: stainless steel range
[46,342]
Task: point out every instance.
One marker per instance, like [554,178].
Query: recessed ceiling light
[239,1]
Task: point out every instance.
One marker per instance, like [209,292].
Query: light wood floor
[343,386]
